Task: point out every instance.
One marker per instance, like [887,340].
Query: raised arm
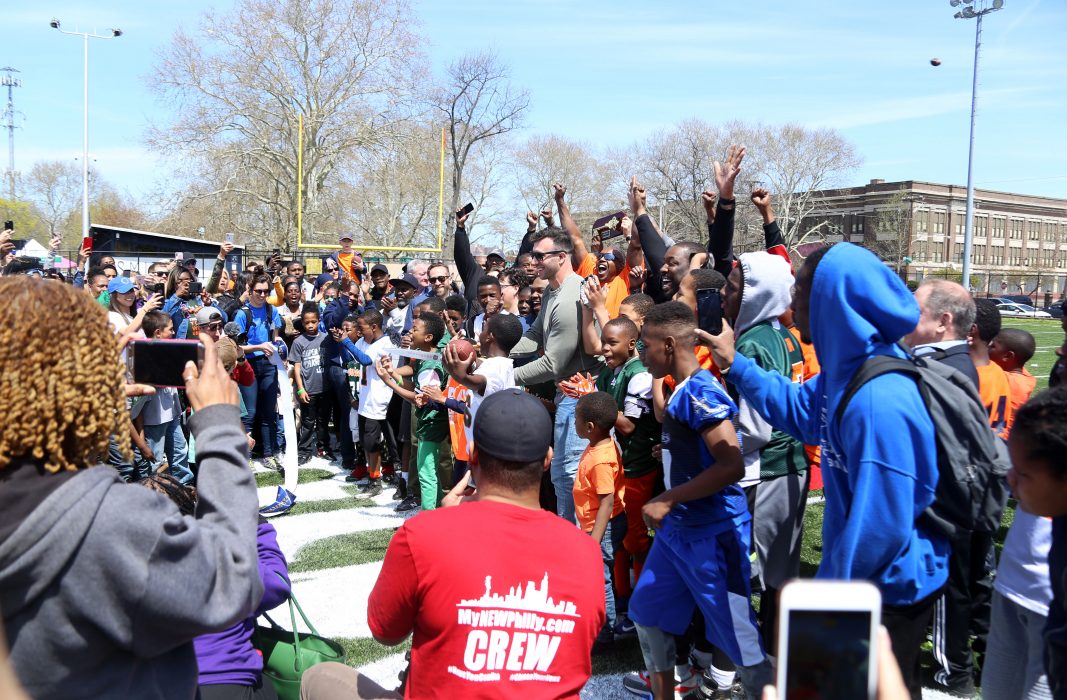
[652,244]
[773,239]
[469,270]
[216,272]
[567,221]
[721,217]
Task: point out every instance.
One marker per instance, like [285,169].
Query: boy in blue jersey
[699,557]
[879,462]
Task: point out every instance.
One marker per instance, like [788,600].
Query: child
[599,502]
[374,395]
[162,413]
[431,421]
[1038,479]
[1012,348]
[699,557]
[629,383]
[307,371]
[993,386]
[456,315]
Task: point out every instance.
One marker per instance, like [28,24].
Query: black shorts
[371,433]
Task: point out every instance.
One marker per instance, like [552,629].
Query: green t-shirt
[431,424]
[631,387]
[775,350]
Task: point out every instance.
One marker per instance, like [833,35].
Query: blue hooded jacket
[879,464]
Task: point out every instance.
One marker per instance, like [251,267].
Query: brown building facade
[1019,247]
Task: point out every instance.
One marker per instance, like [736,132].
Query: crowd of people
[588,462]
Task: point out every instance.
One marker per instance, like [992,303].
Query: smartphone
[827,640]
[467,209]
[709,310]
[195,288]
[162,362]
[179,256]
[87,243]
[9,225]
[228,237]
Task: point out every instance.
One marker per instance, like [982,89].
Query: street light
[86,36]
[969,12]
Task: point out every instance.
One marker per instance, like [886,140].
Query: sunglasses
[442,279]
[260,291]
[610,257]
[216,326]
[540,257]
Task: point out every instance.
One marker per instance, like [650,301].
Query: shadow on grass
[342,550]
[306,477]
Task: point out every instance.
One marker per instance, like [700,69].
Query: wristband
[727,200]
[300,392]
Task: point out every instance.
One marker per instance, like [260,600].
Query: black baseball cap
[406,279]
[379,268]
[497,432]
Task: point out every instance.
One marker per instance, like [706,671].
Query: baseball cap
[497,254]
[208,314]
[379,268]
[120,285]
[406,279]
[345,237]
[495,424]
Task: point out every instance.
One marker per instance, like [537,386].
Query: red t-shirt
[504,601]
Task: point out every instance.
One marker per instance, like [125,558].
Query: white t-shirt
[499,373]
[119,322]
[162,407]
[1022,576]
[374,394]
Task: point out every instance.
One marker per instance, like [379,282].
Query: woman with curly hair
[103,586]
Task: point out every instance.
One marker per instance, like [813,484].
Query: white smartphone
[827,640]
[229,237]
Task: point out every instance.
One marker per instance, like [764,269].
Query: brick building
[1020,241]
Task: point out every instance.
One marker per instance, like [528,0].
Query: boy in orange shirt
[993,386]
[1012,349]
[598,489]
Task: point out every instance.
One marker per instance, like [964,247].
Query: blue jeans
[169,440]
[609,544]
[266,402]
[567,450]
[248,396]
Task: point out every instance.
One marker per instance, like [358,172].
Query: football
[935,61]
[463,348]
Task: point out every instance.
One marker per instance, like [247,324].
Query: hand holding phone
[162,362]
[709,310]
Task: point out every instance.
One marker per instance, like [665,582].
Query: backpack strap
[874,367]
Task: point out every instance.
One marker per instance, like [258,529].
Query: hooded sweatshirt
[879,463]
[104,585]
[765,296]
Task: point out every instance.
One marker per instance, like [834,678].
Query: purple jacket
[228,656]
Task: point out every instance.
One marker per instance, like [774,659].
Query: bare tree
[477,102]
[55,189]
[349,67]
[794,163]
[891,235]
[590,181]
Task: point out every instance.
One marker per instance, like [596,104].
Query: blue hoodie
[879,464]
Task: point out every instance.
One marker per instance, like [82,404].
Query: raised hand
[637,197]
[558,191]
[531,221]
[461,218]
[708,198]
[388,303]
[546,214]
[225,249]
[626,225]
[761,198]
[721,345]
[637,278]
[726,173]
[595,293]
[456,366]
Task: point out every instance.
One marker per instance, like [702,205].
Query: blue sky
[612,72]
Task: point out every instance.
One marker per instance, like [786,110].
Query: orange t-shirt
[618,288]
[1022,385]
[457,421]
[995,391]
[599,472]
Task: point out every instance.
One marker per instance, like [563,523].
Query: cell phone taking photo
[162,362]
[709,310]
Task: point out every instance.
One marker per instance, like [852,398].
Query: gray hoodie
[104,585]
[765,296]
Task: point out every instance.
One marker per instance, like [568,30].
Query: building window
[921,221]
[998,228]
[981,224]
[996,256]
[939,222]
[1016,229]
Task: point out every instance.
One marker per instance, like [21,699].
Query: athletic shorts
[706,568]
[371,433]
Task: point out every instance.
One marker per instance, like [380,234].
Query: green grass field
[1049,335]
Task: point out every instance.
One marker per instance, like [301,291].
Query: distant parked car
[1054,310]
[1022,311]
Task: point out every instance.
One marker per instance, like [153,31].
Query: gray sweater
[104,585]
[558,331]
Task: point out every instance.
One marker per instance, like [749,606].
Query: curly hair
[1040,425]
[61,401]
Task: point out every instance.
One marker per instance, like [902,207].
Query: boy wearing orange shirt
[1012,349]
[993,384]
[598,489]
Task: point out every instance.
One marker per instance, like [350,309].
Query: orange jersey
[457,421]
[618,288]
[995,391]
[1022,386]
[811,363]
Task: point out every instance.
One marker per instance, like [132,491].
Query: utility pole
[11,82]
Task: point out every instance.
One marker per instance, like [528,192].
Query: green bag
[286,655]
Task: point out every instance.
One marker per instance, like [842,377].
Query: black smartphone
[162,362]
[709,310]
[195,288]
[9,225]
[467,209]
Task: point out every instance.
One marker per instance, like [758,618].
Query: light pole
[86,36]
[969,12]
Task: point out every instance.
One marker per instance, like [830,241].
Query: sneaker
[373,488]
[401,490]
[301,460]
[407,505]
[283,503]
[710,690]
[639,683]
[962,687]
[389,479]
[273,463]
[624,627]
[357,477]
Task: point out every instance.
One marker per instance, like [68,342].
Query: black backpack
[971,461]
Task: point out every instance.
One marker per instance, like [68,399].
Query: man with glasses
[261,322]
[440,280]
[210,321]
[557,332]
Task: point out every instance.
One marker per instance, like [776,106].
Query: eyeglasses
[260,291]
[540,257]
[441,280]
[504,286]
[216,326]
